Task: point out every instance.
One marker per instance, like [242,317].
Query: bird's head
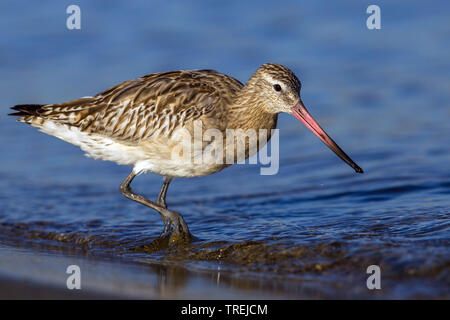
[279,88]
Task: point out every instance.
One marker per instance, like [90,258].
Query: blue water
[383,95]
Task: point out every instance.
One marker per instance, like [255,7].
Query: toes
[166,229]
[175,219]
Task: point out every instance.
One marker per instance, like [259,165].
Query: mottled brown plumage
[135,109]
[140,116]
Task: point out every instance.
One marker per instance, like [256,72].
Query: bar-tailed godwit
[135,122]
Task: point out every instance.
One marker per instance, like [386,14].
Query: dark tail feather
[27,109]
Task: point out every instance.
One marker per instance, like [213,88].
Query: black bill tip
[358,169]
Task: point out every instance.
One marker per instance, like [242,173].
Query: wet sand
[31,274]
[20,289]
[37,273]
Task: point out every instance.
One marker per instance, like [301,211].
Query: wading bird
[135,122]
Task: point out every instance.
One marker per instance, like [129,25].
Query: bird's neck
[248,112]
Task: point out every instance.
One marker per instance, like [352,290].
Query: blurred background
[383,95]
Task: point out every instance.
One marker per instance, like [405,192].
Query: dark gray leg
[169,217]
[162,194]
[162,202]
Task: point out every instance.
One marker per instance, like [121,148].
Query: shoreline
[36,273]
[33,274]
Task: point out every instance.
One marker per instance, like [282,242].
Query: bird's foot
[174,226]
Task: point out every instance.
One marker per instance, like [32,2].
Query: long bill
[300,112]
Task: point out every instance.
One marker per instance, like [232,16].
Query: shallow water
[382,95]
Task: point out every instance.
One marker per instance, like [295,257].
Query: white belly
[154,155]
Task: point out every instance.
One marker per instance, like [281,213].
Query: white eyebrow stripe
[268,78]
[274,81]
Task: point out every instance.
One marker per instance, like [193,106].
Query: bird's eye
[277,87]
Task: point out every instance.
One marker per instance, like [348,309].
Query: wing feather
[140,108]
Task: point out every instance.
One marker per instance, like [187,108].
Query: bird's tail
[27,110]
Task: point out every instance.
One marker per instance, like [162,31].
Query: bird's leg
[162,194]
[172,217]
[162,202]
